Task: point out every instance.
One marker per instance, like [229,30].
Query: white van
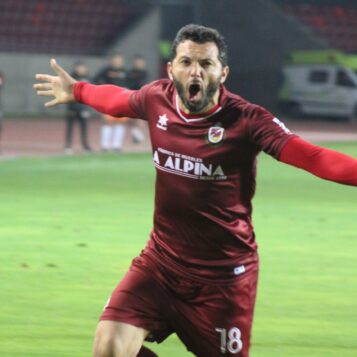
[328,89]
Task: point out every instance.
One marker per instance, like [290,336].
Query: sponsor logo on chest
[188,166]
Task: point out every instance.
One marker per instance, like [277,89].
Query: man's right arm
[106,98]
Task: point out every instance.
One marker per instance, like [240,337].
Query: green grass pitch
[71,225]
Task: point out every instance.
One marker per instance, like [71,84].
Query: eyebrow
[202,59]
[184,57]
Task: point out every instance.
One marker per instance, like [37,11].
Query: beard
[196,107]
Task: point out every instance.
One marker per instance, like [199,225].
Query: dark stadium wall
[260,37]
[143,39]
[317,2]
[259,34]
[19,99]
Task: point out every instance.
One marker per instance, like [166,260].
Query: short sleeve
[267,132]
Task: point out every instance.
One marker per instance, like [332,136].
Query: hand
[60,87]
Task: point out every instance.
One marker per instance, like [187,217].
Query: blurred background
[265,37]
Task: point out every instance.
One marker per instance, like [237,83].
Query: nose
[196,70]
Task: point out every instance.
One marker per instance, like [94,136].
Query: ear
[225,72]
[169,70]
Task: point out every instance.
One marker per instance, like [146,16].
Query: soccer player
[197,276]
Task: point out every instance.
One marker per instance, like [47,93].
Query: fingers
[45,77]
[44,89]
[51,103]
[46,93]
[57,68]
[53,85]
[43,86]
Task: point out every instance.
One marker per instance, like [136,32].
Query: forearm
[108,99]
[325,163]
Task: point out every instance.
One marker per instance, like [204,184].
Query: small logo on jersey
[215,134]
[162,122]
[239,270]
[282,125]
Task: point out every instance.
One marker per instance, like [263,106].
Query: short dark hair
[201,34]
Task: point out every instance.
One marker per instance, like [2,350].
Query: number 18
[230,340]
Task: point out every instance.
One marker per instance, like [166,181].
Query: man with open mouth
[197,275]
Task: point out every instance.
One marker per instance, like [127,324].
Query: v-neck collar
[189,118]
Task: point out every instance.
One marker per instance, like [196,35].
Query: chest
[214,147]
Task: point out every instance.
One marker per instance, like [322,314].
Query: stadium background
[260,34]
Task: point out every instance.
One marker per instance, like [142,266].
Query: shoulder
[243,107]
[159,87]
[147,97]
[161,84]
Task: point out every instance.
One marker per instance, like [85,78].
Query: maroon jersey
[206,176]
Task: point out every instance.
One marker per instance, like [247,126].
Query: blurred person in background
[137,77]
[77,112]
[1,105]
[113,128]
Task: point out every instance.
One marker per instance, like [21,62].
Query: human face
[197,74]
[117,61]
[82,70]
[139,63]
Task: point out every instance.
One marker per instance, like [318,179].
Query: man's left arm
[325,163]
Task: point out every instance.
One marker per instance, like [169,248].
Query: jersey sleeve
[106,98]
[324,163]
[266,131]
[138,100]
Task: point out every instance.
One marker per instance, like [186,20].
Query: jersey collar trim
[190,120]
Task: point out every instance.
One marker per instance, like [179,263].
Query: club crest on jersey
[215,134]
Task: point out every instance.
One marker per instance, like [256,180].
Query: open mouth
[193,90]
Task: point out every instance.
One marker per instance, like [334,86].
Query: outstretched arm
[325,163]
[108,99]
[105,98]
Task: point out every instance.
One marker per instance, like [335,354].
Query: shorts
[211,320]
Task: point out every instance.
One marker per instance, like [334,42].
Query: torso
[205,183]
